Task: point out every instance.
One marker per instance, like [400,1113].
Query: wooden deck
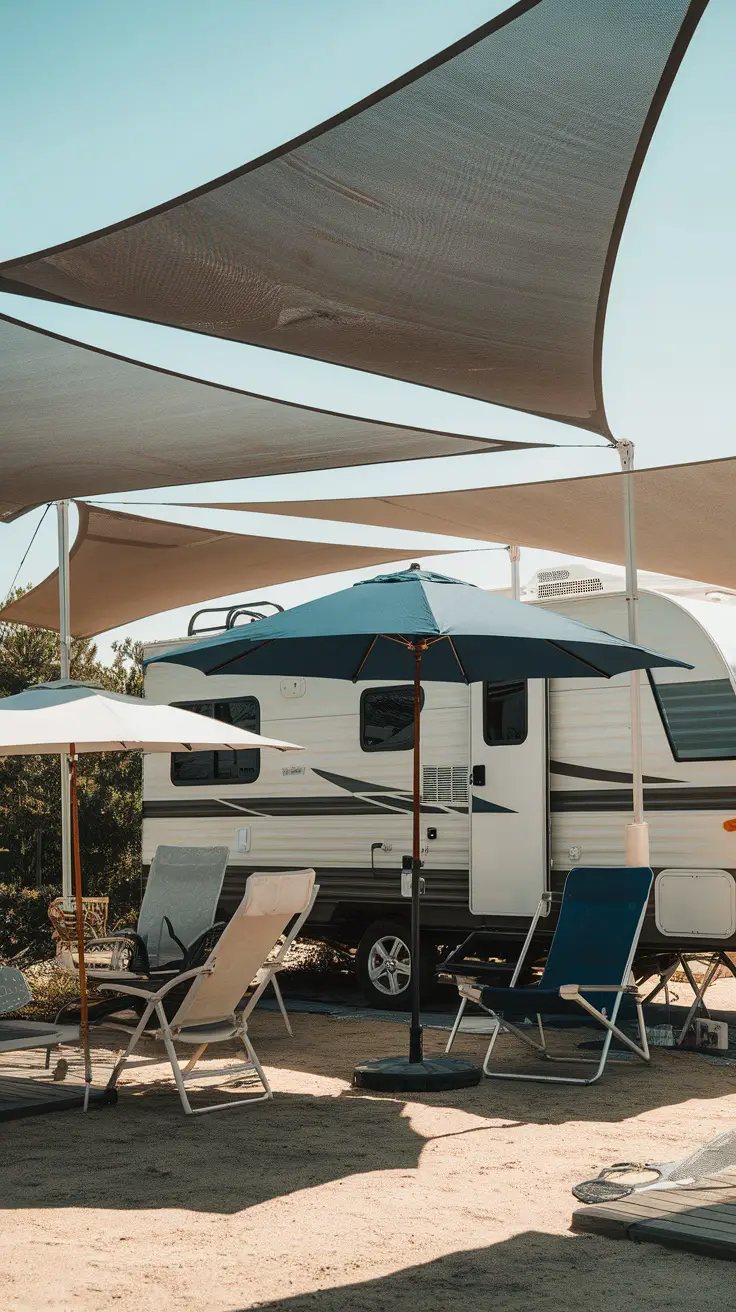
[698,1218]
[23,1097]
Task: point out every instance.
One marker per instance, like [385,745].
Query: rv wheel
[383,965]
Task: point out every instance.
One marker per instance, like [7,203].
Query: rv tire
[383,965]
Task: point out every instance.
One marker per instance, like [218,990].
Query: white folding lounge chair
[269,971]
[208,1012]
[15,1035]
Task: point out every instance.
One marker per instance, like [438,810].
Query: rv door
[509,810]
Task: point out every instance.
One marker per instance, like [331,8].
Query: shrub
[24,923]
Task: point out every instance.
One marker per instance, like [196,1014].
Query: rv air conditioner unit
[568,581]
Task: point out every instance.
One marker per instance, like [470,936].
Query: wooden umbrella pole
[415,1032]
[83,1008]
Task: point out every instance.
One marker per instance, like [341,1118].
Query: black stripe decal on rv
[605,776]
[655,799]
[201,807]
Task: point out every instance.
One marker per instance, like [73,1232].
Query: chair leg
[135,1036]
[540,1047]
[456,1026]
[250,1050]
[282,1008]
[199,1052]
[175,1067]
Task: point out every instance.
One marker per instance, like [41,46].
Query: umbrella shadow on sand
[145,1155]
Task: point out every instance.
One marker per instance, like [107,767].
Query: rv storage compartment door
[508,797]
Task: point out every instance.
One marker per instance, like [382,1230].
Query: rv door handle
[478,776]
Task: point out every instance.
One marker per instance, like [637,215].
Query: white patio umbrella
[67,716]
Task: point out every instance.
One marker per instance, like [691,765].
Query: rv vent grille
[445,783]
[552,575]
[569,589]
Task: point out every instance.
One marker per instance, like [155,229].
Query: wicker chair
[64,920]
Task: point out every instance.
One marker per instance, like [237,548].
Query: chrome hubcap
[389,965]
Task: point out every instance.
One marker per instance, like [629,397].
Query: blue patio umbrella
[415,625]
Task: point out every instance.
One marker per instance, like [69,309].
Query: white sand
[331,1200]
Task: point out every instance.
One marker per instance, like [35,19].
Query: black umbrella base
[399,1075]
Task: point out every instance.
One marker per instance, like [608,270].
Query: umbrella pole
[416,1074]
[415,1032]
[84,1014]
[637,834]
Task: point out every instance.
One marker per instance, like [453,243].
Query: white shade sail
[48,718]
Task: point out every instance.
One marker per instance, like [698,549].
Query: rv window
[220,767]
[387,719]
[504,713]
[699,718]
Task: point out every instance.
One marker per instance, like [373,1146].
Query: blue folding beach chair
[588,969]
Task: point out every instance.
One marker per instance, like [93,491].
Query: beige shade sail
[684,517]
[457,228]
[78,421]
[124,567]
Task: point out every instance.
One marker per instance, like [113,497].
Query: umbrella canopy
[46,719]
[353,634]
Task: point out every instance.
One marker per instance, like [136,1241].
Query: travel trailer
[521,781]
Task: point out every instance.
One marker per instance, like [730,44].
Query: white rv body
[501,823]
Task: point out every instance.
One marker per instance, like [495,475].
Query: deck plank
[697,1219]
[23,1097]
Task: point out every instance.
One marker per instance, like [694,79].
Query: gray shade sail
[124,567]
[457,228]
[684,517]
[79,421]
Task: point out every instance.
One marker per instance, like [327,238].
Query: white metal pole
[637,834]
[515,560]
[65,645]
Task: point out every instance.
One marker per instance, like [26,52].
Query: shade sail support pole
[637,834]
[415,1032]
[65,651]
[515,562]
[83,1004]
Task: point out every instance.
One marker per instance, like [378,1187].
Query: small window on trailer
[505,712]
[192,769]
[387,718]
[699,717]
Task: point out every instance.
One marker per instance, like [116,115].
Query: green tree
[109,782]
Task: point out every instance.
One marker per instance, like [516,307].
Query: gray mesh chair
[176,918]
[179,906]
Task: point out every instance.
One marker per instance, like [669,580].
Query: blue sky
[108,109]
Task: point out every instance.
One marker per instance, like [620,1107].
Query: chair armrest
[160,993]
[571,991]
[115,939]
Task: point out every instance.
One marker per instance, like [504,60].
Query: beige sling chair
[209,1012]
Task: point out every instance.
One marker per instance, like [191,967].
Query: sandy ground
[332,1200]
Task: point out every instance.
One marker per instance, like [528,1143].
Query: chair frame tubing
[568,993]
[543,909]
[269,970]
[154,1005]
